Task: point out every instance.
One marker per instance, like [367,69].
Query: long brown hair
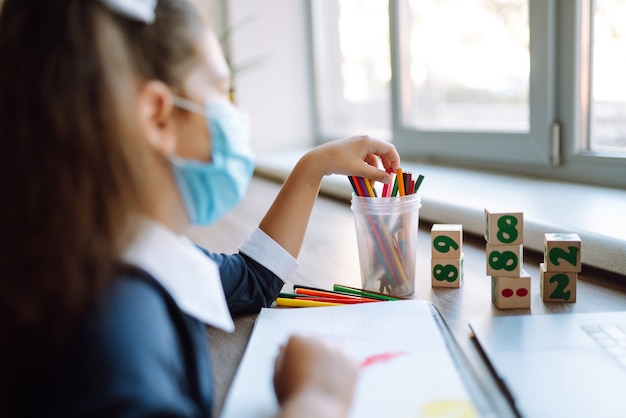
[71,171]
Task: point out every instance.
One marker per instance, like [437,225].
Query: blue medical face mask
[211,189]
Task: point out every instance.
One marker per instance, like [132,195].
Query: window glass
[608,107]
[352,66]
[469,65]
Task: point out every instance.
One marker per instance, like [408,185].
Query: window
[531,86]
[352,66]
[608,107]
[468,66]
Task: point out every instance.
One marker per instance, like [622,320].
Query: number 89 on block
[447,255]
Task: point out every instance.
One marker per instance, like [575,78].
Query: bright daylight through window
[465,69]
[469,65]
[608,108]
[352,65]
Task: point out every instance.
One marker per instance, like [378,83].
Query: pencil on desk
[366,293]
[298,288]
[302,303]
[330,294]
[340,300]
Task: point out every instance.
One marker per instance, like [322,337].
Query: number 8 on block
[504,260]
[447,273]
[504,227]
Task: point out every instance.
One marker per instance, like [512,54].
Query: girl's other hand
[314,378]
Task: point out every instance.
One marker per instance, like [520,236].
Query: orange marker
[400,178]
[301,303]
[329,294]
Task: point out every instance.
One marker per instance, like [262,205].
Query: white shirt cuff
[264,250]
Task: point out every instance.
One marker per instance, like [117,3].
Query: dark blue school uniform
[142,350]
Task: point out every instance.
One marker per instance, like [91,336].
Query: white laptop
[559,365]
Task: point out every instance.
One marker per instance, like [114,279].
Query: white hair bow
[141,10]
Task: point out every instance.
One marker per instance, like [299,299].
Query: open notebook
[423,372]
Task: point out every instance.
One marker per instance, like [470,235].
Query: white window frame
[475,145]
[556,145]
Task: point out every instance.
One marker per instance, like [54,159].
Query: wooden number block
[557,286]
[562,252]
[504,260]
[504,227]
[511,292]
[446,272]
[446,241]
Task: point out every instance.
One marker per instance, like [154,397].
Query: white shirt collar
[192,278]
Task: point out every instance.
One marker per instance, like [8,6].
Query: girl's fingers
[372,160]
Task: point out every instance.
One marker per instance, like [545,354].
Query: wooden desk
[329,255]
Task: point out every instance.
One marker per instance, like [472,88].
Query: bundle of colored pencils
[305,296]
[403,185]
[386,242]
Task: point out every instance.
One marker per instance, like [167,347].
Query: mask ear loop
[140,10]
[188,105]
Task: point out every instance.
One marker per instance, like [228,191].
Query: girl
[115,135]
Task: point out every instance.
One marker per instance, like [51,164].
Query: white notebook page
[418,377]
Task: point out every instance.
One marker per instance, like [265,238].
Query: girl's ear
[154,110]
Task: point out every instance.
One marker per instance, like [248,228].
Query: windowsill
[454,195]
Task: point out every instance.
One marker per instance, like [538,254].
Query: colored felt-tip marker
[330,294]
[298,287]
[400,177]
[418,183]
[366,293]
[340,300]
[303,303]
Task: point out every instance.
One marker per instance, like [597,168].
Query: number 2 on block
[557,254]
[562,281]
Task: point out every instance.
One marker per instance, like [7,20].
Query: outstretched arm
[288,217]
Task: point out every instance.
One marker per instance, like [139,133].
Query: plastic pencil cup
[386,231]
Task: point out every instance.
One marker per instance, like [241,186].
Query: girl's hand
[314,378]
[356,156]
[287,219]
